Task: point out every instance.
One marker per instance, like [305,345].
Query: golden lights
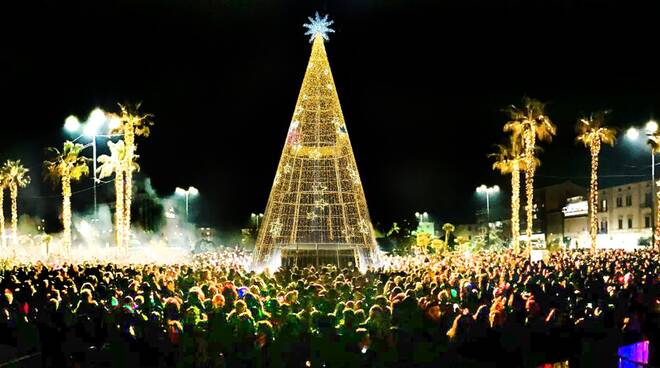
[317,200]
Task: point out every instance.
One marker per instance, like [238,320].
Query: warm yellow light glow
[65,167]
[130,125]
[16,177]
[529,122]
[592,134]
[317,198]
[114,164]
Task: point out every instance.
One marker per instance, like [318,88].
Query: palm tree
[592,133]
[114,164]
[654,143]
[507,161]
[3,185]
[16,177]
[529,122]
[65,167]
[130,125]
[448,229]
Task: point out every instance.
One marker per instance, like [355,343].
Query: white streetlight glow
[71,124]
[114,122]
[96,117]
[632,133]
[180,191]
[193,191]
[651,126]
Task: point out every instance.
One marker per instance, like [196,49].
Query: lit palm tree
[654,143]
[592,133]
[509,160]
[3,185]
[130,125]
[529,122]
[65,167]
[16,177]
[114,164]
[448,229]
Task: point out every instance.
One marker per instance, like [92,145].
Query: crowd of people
[457,310]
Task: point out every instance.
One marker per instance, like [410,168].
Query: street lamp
[90,129]
[422,217]
[256,218]
[192,191]
[633,134]
[483,189]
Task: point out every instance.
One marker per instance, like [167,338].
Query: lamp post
[90,129]
[483,189]
[633,134]
[191,191]
[256,218]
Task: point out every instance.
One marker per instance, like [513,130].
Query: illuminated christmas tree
[316,212]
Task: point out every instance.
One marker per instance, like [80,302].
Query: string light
[130,125]
[65,167]
[317,205]
[592,134]
[16,177]
[529,122]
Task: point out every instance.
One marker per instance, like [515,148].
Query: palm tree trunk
[66,213]
[13,191]
[129,136]
[530,136]
[2,216]
[593,193]
[119,208]
[515,206]
[657,222]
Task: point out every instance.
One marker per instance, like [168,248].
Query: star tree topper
[318,27]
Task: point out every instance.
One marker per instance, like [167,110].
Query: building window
[620,223]
[628,200]
[619,202]
[602,229]
[647,221]
[603,206]
[629,222]
[648,200]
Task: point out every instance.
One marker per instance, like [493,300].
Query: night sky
[422,85]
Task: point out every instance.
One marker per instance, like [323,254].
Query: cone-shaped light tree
[16,177]
[317,208]
[131,125]
[114,164]
[65,167]
[593,134]
[532,124]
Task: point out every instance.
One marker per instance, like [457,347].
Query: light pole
[90,129]
[483,189]
[633,134]
[256,218]
[191,191]
[422,217]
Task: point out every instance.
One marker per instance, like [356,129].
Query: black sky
[421,85]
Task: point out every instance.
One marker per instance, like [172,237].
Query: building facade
[625,217]
[625,213]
